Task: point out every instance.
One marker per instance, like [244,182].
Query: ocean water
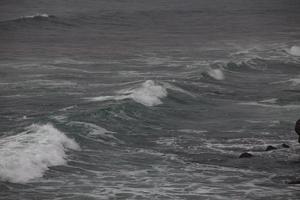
[140,99]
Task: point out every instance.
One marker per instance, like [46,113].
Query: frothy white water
[28,155]
[295,51]
[216,74]
[148,94]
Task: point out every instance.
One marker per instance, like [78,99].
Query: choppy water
[149,99]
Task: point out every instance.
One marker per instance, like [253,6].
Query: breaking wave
[28,155]
[148,94]
[216,74]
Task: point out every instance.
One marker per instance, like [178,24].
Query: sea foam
[28,155]
[148,94]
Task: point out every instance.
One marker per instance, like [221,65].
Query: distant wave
[35,19]
[38,16]
[28,155]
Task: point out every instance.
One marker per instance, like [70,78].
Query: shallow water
[149,99]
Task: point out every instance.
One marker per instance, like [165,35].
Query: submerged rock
[285,146]
[246,155]
[270,148]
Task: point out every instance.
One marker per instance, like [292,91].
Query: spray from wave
[148,94]
[28,155]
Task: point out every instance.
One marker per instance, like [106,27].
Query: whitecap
[295,51]
[29,154]
[216,74]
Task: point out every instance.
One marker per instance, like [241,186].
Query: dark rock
[270,148]
[297,127]
[246,155]
[294,182]
[285,146]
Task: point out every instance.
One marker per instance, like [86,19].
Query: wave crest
[28,155]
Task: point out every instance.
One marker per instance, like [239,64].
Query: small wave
[148,94]
[28,155]
[295,51]
[95,131]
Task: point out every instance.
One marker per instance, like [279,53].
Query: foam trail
[28,155]
[295,51]
[148,94]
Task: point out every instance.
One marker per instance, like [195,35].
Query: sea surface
[149,99]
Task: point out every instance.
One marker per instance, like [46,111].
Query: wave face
[28,155]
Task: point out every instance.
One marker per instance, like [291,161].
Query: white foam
[148,94]
[216,74]
[28,155]
[295,51]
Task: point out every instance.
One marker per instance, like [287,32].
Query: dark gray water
[149,99]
